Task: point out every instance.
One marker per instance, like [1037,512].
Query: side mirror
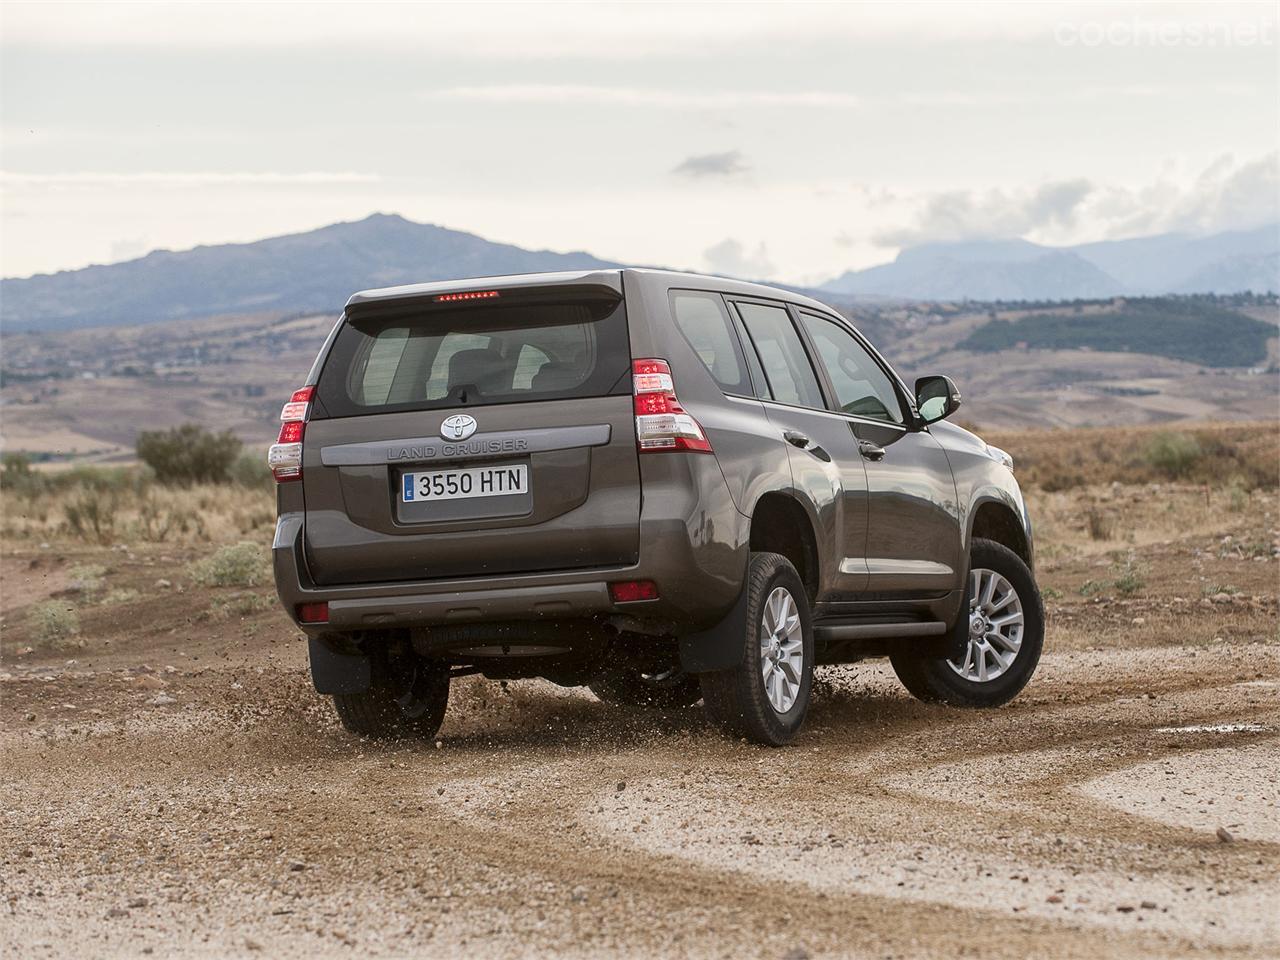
[936,398]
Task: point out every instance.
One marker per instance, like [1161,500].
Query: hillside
[314,271]
[1188,329]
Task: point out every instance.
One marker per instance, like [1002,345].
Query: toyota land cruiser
[663,486]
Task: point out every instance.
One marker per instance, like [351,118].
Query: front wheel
[1005,622]
[766,696]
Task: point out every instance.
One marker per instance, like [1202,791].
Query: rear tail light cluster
[661,423]
[285,456]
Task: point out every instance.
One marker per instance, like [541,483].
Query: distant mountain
[317,271]
[1019,270]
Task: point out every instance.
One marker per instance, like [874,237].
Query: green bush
[54,625]
[188,454]
[241,565]
[251,470]
[1173,454]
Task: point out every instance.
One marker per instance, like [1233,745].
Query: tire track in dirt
[514,839]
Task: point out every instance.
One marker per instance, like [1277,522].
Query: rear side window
[786,365]
[702,319]
[406,359]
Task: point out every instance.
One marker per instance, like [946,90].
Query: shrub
[188,454]
[242,605]
[88,576]
[1131,576]
[241,565]
[91,514]
[1173,454]
[1099,525]
[251,470]
[54,624]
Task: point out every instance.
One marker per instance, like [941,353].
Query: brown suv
[664,486]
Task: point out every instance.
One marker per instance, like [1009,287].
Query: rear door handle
[796,439]
[870,451]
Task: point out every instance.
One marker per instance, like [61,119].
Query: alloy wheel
[781,649]
[995,628]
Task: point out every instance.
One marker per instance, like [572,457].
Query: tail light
[630,591]
[661,423]
[285,456]
[313,612]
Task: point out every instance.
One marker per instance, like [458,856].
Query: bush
[251,470]
[1173,454]
[188,454]
[242,565]
[91,514]
[54,624]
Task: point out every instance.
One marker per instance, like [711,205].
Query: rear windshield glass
[475,355]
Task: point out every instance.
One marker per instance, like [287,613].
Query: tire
[411,706]
[673,690]
[942,680]
[738,699]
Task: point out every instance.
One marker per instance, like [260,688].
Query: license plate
[464,484]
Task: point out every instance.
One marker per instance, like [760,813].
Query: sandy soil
[170,785]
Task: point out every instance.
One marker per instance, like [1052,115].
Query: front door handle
[796,439]
[870,451]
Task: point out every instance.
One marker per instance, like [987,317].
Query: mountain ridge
[317,270]
[1222,263]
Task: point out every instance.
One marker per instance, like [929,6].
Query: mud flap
[958,639]
[334,671]
[721,647]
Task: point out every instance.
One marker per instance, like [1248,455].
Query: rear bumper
[697,558]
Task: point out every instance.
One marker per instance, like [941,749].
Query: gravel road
[1125,805]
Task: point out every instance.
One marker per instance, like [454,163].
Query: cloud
[725,164]
[1224,196]
[642,96]
[730,258]
[965,214]
[198,178]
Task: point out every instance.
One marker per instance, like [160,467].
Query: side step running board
[876,631]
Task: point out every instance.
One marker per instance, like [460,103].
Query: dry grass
[1244,454]
[143,512]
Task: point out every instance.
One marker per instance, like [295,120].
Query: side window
[861,385]
[786,365]
[701,318]
[381,361]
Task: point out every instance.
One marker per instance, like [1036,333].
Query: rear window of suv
[398,359]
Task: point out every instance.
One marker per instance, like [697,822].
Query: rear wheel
[766,696]
[410,704]
[669,690]
[1005,620]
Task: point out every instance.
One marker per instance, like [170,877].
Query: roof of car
[604,278]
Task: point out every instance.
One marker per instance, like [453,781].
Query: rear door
[469,436]
[823,453]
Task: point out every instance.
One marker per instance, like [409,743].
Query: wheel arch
[993,517]
[780,523]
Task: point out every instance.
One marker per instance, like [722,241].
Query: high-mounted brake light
[285,456]
[662,425]
[470,295]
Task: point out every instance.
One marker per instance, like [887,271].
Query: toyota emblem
[458,427]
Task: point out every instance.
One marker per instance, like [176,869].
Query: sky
[782,141]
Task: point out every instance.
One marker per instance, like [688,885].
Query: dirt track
[240,819]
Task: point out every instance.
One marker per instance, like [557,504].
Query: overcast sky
[786,141]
